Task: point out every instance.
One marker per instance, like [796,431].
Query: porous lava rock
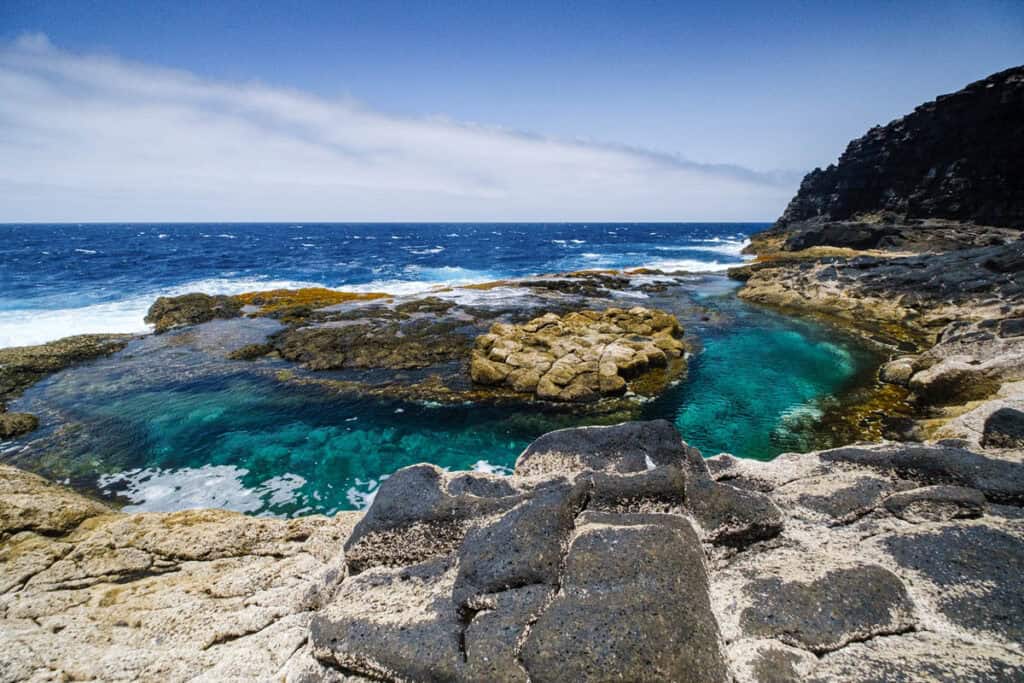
[580,356]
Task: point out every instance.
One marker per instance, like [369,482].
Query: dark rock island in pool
[611,553]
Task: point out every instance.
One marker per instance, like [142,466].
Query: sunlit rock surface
[612,553]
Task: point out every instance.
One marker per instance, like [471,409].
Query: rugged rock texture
[957,159]
[421,347]
[23,366]
[15,424]
[612,553]
[580,356]
[814,567]
[953,320]
[90,594]
[921,294]
[168,312]
[948,180]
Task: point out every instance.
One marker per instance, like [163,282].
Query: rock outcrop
[956,160]
[612,553]
[946,180]
[481,343]
[87,593]
[580,356]
[169,312]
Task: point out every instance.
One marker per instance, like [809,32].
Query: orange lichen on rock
[273,300]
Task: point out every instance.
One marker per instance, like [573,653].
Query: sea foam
[26,326]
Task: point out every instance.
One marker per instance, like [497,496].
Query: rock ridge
[956,160]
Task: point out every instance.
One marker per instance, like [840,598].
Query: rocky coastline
[611,553]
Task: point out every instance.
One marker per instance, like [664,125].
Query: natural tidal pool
[170,423]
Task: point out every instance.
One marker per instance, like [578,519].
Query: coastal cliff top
[958,158]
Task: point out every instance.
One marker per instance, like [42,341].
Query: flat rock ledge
[612,553]
[580,356]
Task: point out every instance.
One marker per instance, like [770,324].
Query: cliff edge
[958,159]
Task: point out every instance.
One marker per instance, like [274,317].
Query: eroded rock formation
[945,180]
[580,356]
[90,594]
[612,553]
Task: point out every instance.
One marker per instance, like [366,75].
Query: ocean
[163,426]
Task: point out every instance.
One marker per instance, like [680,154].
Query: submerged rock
[23,366]
[580,356]
[13,425]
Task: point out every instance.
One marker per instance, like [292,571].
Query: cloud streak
[95,138]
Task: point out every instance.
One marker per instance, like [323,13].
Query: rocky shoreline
[611,553]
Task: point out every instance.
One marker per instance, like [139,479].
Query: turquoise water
[761,385]
[168,424]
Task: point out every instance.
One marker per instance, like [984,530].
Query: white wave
[727,247]
[210,486]
[86,251]
[495,296]
[22,327]
[424,251]
[25,327]
[424,280]
[488,468]
[162,236]
[362,494]
[720,246]
[687,265]
[578,241]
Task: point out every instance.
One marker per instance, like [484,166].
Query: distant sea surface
[57,280]
[166,426]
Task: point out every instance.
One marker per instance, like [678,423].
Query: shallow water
[170,423]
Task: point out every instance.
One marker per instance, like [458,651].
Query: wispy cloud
[87,138]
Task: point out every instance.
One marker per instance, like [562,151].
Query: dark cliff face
[957,159]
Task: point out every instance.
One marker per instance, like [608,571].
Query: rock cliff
[956,160]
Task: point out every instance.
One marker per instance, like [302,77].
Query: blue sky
[771,89]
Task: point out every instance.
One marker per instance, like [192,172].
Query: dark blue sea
[155,432]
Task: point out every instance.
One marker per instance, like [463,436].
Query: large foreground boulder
[612,553]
